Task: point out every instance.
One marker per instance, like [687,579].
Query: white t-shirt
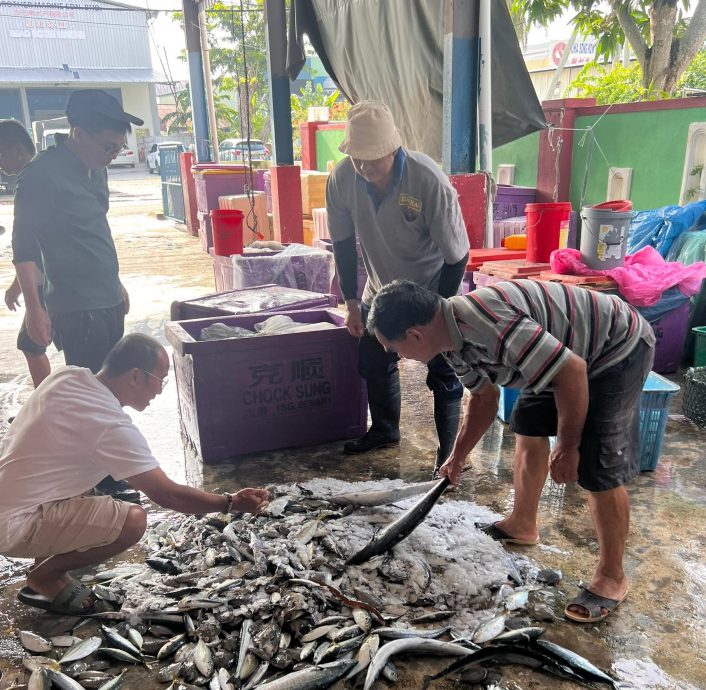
[70,434]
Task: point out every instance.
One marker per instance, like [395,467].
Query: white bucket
[604,237]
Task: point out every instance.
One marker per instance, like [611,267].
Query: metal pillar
[197,90]
[208,83]
[280,105]
[461,69]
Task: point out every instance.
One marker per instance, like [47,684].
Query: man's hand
[564,464]
[126,298]
[39,326]
[354,319]
[452,469]
[250,500]
[12,295]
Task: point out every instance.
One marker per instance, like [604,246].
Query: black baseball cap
[95,101]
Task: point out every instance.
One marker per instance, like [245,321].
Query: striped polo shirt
[520,333]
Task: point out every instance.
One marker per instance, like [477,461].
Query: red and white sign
[581,52]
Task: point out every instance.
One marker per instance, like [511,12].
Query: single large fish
[400,528]
[311,678]
[415,644]
[381,498]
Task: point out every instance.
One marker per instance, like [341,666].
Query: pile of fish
[274,602]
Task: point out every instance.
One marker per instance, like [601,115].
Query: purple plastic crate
[211,186]
[671,331]
[467,284]
[327,244]
[222,271]
[249,395]
[309,270]
[254,300]
[510,201]
[259,179]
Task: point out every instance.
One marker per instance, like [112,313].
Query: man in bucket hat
[403,211]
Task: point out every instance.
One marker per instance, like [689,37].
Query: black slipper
[499,534]
[69,602]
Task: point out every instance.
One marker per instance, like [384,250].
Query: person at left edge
[71,432]
[61,207]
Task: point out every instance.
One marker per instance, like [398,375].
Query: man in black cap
[61,207]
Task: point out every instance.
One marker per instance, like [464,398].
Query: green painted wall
[327,141]
[652,143]
[523,154]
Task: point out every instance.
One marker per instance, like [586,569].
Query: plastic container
[227,228]
[510,201]
[508,226]
[298,266]
[694,400]
[654,412]
[699,346]
[515,242]
[547,229]
[671,331]
[249,395]
[508,398]
[213,180]
[205,231]
[483,279]
[604,236]
[327,245]
[255,300]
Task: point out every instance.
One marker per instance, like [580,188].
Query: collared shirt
[61,220]
[520,333]
[414,229]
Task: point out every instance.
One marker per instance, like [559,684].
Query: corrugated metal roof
[9,75]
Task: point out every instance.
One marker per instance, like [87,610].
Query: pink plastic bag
[643,278]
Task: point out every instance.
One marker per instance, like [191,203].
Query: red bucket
[547,229]
[227,226]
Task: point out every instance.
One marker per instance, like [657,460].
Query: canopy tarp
[392,51]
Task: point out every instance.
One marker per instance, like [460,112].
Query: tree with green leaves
[662,38]
[179,120]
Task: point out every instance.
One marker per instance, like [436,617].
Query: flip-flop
[69,602]
[499,534]
[594,604]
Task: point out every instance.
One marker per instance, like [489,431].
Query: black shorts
[24,342]
[610,445]
[86,337]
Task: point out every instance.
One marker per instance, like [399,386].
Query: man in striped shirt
[580,358]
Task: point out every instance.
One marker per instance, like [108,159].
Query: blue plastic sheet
[671,299]
[659,227]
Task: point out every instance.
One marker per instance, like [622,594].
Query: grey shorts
[610,445]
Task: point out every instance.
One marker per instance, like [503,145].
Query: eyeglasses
[162,382]
[109,148]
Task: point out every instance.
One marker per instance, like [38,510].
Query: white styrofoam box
[258,218]
[320,223]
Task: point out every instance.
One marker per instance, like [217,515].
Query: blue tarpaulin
[659,227]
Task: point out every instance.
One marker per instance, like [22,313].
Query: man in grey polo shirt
[61,207]
[404,212]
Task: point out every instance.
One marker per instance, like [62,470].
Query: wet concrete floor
[656,639]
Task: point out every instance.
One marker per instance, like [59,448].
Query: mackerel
[381,498]
[311,678]
[575,662]
[415,644]
[81,650]
[406,633]
[400,528]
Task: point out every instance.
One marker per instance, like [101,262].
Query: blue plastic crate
[654,411]
[508,396]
